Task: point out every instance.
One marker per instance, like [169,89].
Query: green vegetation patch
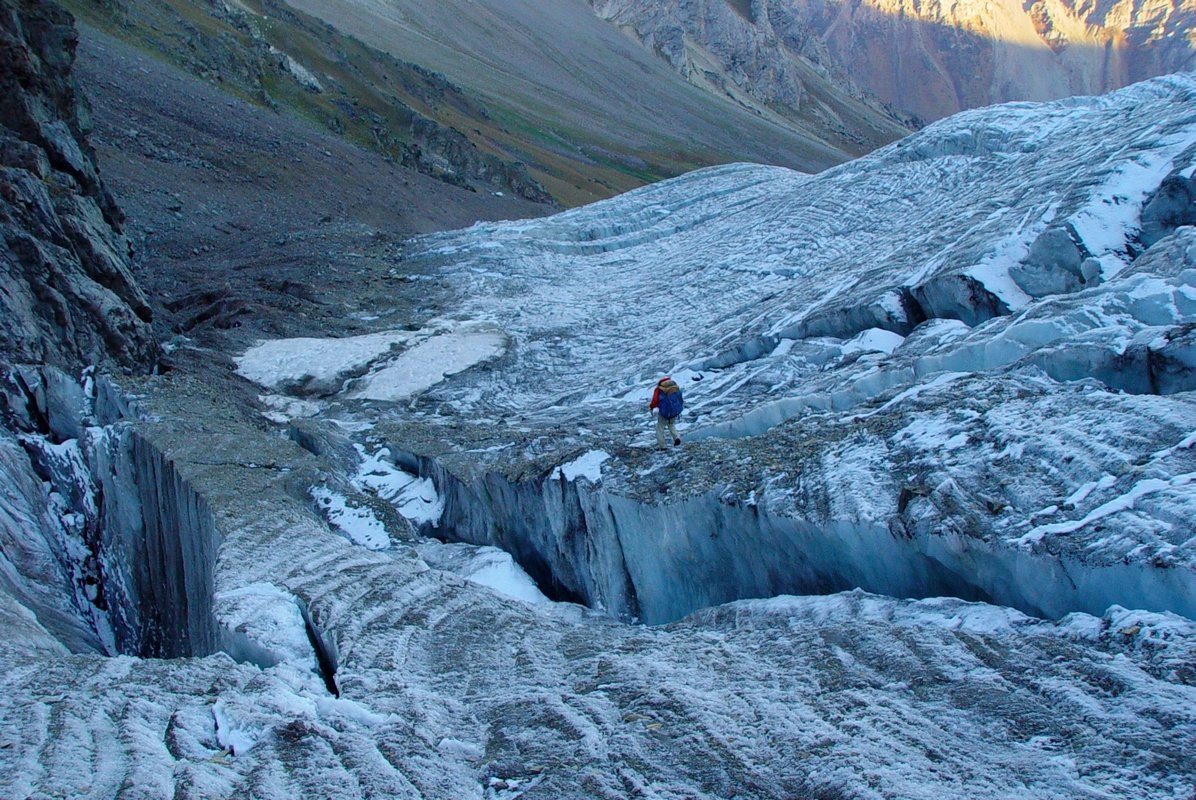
[269,54]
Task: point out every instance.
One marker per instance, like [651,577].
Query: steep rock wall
[69,297]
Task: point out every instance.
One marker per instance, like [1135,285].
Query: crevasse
[658,562]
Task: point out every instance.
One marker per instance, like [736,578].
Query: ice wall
[105,543]
[35,541]
[658,562]
[159,547]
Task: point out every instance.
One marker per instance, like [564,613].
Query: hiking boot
[676,442]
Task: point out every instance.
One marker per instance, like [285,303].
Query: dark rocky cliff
[67,296]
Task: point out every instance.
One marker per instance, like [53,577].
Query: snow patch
[1112,214]
[1081,494]
[323,363]
[460,749]
[485,566]
[430,362]
[299,72]
[993,270]
[874,340]
[282,409]
[932,434]
[268,618]
[1187,442]
[413,497]
[356,521]
[1122,503]
[588,466]
[232,733]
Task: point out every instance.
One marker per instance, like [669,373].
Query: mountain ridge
[926,59]
[549,70]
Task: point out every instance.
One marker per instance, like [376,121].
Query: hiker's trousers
[662,425]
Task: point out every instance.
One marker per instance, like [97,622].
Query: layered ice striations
[856,348]
[974,218]
[894,313]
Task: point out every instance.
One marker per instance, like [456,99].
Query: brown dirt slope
[247,222]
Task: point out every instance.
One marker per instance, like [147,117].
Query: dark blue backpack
[671,404]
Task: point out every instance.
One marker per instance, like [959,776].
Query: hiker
[667,401]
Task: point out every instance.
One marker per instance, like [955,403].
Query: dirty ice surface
[948,370]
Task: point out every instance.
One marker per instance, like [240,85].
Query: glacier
[929,533]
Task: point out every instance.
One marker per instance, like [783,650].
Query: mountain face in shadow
[926,59]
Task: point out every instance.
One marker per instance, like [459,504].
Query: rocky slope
[926,59]
[273,56]
[235,209]
[377,76]
[549,71]
[68,298]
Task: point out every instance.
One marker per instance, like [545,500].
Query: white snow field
[930,533]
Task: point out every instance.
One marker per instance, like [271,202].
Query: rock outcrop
[760,53]
[926,59]
[68,296]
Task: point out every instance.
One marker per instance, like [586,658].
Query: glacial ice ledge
[992,405]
